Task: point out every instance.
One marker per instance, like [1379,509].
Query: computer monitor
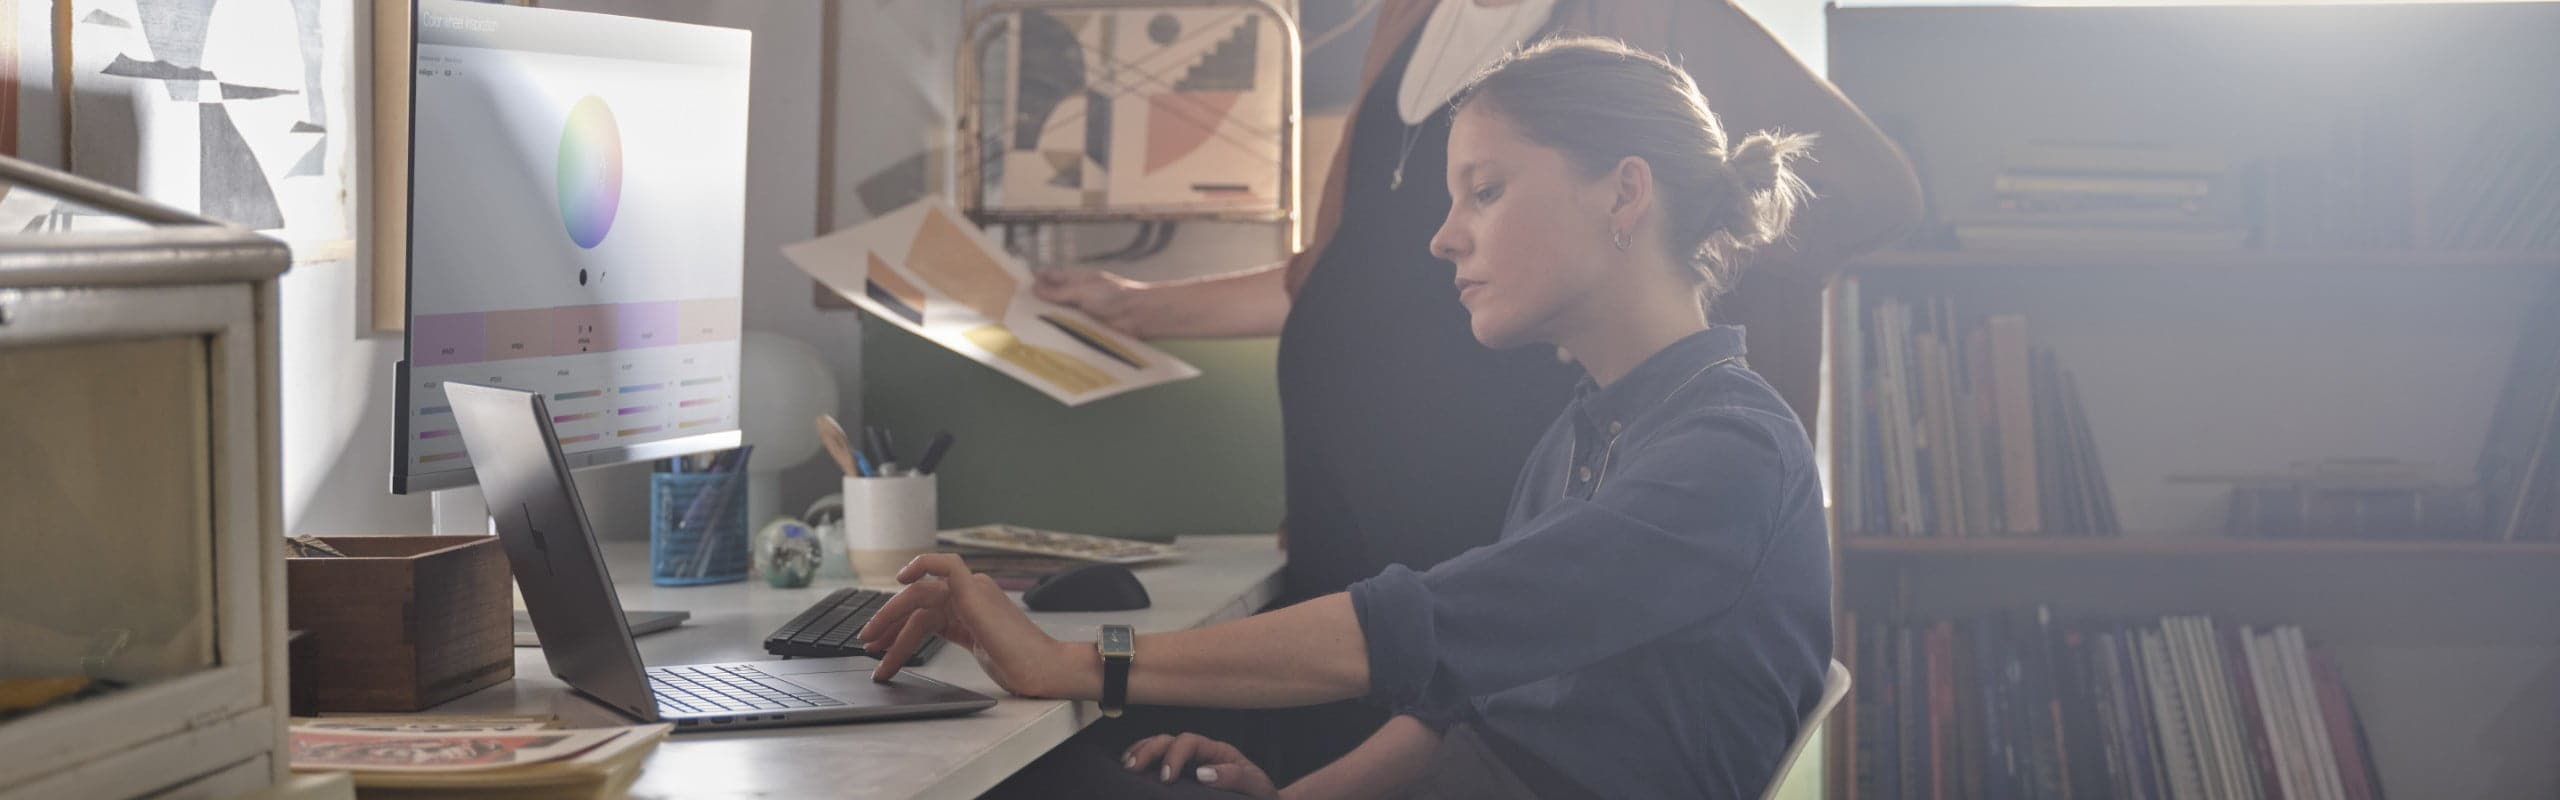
[577,194]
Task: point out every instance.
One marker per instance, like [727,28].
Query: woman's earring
[1622,239]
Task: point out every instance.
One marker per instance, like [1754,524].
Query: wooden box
[404,622]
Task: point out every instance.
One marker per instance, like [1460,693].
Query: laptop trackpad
[810,666]
[849,679]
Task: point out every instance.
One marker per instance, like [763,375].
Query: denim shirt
[1655,619]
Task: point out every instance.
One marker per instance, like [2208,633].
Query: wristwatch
[1119,644]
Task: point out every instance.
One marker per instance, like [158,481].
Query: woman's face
[1526,231]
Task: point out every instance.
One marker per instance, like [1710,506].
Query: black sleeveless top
[1403,434]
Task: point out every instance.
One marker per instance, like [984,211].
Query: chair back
[1835,685]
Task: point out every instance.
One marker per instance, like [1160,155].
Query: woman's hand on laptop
[944,597]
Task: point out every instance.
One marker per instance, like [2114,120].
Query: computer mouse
[1093,587]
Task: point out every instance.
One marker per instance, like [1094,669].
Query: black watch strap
[1118,649]
[1115,685]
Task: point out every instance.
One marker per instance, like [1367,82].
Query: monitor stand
[464,511]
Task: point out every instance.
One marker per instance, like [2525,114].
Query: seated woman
[1655,618]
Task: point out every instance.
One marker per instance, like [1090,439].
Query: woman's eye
[1488,193]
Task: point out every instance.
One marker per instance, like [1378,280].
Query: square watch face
[1118,641]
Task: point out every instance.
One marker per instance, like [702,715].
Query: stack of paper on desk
[483,758]
[925,268]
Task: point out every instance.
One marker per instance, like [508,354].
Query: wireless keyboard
[826,630]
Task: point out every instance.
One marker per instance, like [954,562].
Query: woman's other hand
[944,597]
[1209,761]
[1121,303]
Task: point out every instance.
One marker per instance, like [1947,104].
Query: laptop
[570,596]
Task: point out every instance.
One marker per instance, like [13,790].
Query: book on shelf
[2115,158]
[2032,237]
[2347,498]
[2094,195]
[2021,704]
[2013,182]
[1962,427]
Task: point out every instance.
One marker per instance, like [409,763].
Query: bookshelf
[2354,334]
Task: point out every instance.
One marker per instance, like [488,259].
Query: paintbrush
[832,435]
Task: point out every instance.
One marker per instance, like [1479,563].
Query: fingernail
[1168,773]
[1206,775]
[1129,762]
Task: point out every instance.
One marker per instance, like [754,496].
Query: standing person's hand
[1209,761]
[1118,302]
[970,610]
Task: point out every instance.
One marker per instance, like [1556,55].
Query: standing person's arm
[1245,303]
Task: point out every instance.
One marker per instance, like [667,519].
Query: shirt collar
[1654,380]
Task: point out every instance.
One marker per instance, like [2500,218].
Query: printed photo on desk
[926,269]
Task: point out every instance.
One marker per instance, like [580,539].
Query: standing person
[1402,435]
[1654,617]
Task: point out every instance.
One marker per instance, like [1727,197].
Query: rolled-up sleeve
[1673,537]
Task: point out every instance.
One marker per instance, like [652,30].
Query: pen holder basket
[697,528]
[888,522]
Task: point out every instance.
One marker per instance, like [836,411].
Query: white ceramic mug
[887,523]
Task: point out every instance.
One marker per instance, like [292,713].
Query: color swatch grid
[600,399]
[441,339]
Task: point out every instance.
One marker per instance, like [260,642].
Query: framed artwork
[1114,110]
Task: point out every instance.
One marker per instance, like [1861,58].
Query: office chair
[1835,685]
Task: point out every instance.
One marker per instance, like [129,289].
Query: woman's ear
[1631,186]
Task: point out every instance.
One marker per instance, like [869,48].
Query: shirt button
[1585,474]
[1615,428]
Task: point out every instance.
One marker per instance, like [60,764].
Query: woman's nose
[1448,243]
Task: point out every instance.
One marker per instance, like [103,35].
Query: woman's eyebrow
[1466,171]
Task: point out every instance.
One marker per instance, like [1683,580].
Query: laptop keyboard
[722,688]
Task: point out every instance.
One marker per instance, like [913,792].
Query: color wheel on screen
[590,171]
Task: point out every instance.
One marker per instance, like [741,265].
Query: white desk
[1218,578]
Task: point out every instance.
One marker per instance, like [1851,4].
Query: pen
[884,462]
[933,451]
[888,445]
[862,465]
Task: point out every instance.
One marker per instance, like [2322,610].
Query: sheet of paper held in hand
[926,269]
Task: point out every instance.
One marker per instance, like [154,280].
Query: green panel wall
[1197,456]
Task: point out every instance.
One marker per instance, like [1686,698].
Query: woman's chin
[1493,334]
